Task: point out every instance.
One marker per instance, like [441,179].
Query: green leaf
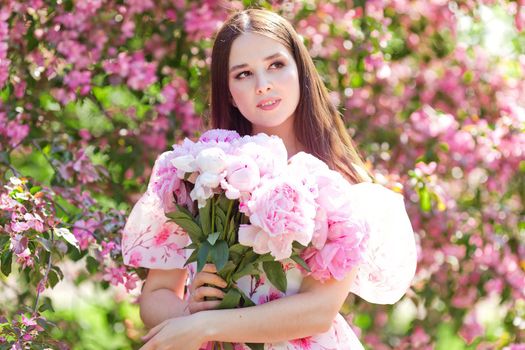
[193,257]
[246,301]
[275,273]
[65,234]
[301,262]
[6,262]
[46,243]
[185,220]
[424,198]
[248,269]
[227,271]
[223,203]
[35,189]
[92,264]
[220,254]
[362,320]
[4,239]
[219,224]
[265,257]
[231,230]
[212,238]
[230,300]
[184,210]
[255,346]
[238,249]
[53,278]
[191,246]
[205,218]
[227,346]
[202,255]
[46,305]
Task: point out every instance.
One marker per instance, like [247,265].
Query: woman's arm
[310,311]
[162,296]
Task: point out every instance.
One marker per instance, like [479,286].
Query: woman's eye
[277,64]
[242,75]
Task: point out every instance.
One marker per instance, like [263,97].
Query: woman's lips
[269,104]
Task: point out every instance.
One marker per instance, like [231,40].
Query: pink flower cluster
[311,209]
[138,73]
[12,132]
[119,275]
[4,32]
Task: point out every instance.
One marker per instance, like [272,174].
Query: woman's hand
[205,285]
[180,333]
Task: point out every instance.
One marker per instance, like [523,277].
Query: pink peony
[242,175]
[219,135]
[167,185]
[268,152]
[281,211]
[342,251]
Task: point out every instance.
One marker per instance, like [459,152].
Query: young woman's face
[263,81]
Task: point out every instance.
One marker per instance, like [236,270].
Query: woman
[263,80]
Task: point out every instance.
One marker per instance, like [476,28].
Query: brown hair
[318,125]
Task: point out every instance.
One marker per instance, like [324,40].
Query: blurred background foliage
[92,91]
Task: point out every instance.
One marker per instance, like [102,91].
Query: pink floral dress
[383,276]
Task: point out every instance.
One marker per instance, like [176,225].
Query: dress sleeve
[149,240]
[388,264]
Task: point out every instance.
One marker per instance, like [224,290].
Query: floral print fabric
[383,276]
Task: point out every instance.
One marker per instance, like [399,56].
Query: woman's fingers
[203,306]
[203,278]
[204,292]
[210,268]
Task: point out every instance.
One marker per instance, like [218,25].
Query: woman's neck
[286,132]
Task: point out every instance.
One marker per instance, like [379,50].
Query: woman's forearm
[311,311]
[291,317]
[160,305]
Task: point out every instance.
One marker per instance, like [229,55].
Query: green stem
[48,268]
[228,222]
[212,214]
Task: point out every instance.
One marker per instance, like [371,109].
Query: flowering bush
[432,92]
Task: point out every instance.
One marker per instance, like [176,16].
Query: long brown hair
[318,125]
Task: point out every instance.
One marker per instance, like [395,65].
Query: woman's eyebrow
[244,65]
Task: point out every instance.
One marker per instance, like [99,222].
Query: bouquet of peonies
[246,208]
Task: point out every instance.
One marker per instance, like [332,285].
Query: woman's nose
[263,85]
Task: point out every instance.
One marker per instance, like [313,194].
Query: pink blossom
[19,244]
[83,231]
[155,136]
[515,347]
[201,22]
[142,74]
[471,328]
[79,79]
[135,259]
[219,135]
[138,6]
[419,337]
[20,89]
[165,183]
[242,175]
[268,152]
[281,211]
[162,236]
[342,252]
[131,281]
[303,343]
[115,275]
[4,71]
[108,247]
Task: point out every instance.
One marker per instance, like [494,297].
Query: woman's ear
[233,102]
